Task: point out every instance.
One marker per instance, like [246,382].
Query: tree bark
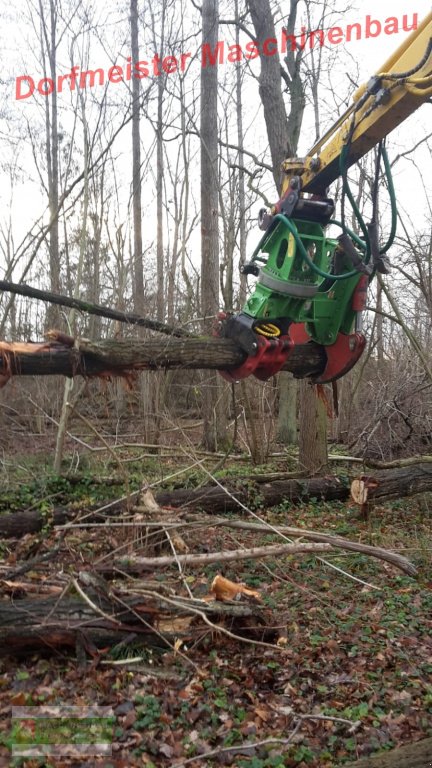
[213,405]
[417,755]
[110,357]
[49,37]
[313,452]
[287,412]
[137,267]
[241,173]
[160,294]
[136,564]
[51,622]
[388,485]
[270,90]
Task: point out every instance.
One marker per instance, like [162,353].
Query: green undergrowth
[31,483]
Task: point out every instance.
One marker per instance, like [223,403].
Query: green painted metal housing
[301,279]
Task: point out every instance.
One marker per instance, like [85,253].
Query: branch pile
[89,610]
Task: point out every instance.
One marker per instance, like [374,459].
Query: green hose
[347,189]
[293,229]
[393,203]
[358,215]
[364,245]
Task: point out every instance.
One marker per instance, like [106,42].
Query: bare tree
[138,267]
[213,423]
[48,21]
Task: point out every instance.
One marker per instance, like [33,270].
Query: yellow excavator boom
[403,83]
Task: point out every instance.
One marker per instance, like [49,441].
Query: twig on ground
[248,746]
[176,558]
[92,605]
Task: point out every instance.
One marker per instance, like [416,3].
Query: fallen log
[62,354]
[94,618]
[215,499]
[387,485]
[417,755]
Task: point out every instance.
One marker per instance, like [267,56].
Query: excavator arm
[310,286]
[403,83]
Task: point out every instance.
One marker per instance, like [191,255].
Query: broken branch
[138,564]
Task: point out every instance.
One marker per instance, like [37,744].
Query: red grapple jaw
[270,357]
[341,356]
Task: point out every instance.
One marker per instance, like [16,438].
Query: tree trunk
[137,267]
[69,396]
[50,623]
[241,174]
[270,90]
[209,168]
[160,302]
[313,455]
[214,416]
[417,755]
[283,133]
[51,120]
[110,357]
[387,485]
[287,413]
[379,329]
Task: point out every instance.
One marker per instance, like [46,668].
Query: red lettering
[350,28]
[45,90]
[91,73]
[60,81]
[316,33]
[414,24]
[183,59]
[156,62]
[209,57]
[169,64]
[128,68]
[391,26]
[115,74]
[303,38]
[19,81]
[291,38]
[70,76]
[267,51]
[335,35]
[140,67]
[377,27]
[235,53]
[252,51]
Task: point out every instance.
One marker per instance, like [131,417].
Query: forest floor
[351,674]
